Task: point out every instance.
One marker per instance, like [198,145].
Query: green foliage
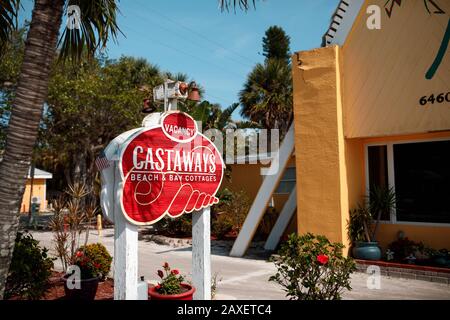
[221,226]
[8,20]
[94,260]
[171,281]
[310,267]
[276,44]
[232,209]
[88,106]
[364,221]
[98,23]
[382,201]
[358,224]
[30,269]
[267,95]
[178,227]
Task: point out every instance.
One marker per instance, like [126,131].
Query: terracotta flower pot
[187,295]
[87,291]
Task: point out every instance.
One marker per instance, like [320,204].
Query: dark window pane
[287,182]
[422,181]
[378,170]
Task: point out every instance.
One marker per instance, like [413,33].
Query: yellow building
[372,107]
[39,194]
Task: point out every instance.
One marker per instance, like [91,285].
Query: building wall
[39,190]
[322,196]
[385,72]
[366,91]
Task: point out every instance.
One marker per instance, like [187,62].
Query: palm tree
[97,23]
[267,95]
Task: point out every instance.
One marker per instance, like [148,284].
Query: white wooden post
[201,254]
[125,251]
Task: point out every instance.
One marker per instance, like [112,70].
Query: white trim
[391,175]
[265,192]
[283,221]
[424,224]
[348,10]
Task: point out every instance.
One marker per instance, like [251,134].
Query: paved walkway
[245,278]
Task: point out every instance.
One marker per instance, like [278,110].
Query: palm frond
[242,4]
[97,23]
[8,19]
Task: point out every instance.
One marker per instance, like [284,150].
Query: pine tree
[276,44]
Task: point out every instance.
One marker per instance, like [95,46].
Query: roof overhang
[342,22]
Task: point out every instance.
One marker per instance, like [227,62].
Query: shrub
[221,226]
[94,260]
[310,267]
[30,269]
[181,226]
[234,206]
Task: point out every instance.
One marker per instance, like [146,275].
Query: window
[287,182]
[420,174]
[422,181]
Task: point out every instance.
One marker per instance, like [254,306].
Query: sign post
[201,254]
[166,168]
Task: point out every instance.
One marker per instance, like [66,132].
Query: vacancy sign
[169,169]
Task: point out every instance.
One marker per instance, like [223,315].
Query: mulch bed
[105,289]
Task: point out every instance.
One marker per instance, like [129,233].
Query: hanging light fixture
[194,93]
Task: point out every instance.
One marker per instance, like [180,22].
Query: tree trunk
[24,122]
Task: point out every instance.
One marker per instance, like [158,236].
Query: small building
[39,193]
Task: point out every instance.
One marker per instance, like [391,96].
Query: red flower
[97,265]
[322,258]
[175,271]
[79,254]
[160,274]
[166,265]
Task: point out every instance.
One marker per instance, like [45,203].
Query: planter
[187,295]
[366,251]
[87,291]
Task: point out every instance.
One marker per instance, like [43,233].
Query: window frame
[391,176]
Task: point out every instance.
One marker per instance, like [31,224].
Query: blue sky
[217,49]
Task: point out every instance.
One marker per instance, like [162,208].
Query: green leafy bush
[221,226]
[179,227]
[30,269]
[232,208]
[310,267]
[94,260]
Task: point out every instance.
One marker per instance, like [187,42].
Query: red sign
[169,169]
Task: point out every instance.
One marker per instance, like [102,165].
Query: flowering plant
[312,268]
[170,281]
[93,261]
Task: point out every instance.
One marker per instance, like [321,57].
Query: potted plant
[365,220]
[94,263]
[171,286]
